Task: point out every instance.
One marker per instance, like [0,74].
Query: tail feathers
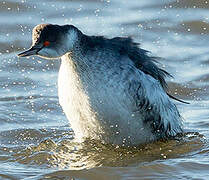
[172,97]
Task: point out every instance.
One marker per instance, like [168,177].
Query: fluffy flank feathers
[126,46]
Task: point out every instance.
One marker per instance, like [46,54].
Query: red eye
[46,43]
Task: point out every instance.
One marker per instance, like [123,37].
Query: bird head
[52,41]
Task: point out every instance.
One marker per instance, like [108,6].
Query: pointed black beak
[32,51]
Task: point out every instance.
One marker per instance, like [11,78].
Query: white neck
[71,39]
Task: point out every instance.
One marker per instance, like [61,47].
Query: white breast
[75,102]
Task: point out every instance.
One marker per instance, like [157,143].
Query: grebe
[109,89]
